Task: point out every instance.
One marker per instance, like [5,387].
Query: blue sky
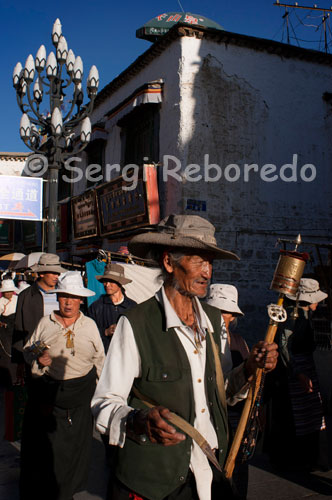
[103,33]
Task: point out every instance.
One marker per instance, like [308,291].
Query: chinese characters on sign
[21,198]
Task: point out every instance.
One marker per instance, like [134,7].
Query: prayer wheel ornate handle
[286,280]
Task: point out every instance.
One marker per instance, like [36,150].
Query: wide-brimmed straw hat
[308,291]
[71,283]
[224,297]
[114,272]
[189,232]
[48,263]
[8,286]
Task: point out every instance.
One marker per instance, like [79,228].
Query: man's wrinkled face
[192,274]
[69,305]
[48,279]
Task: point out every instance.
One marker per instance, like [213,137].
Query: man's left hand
[262,355]
[110,330]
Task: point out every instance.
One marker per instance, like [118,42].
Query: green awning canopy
[161,24]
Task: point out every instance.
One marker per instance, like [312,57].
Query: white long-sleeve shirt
[67,363]
[8,306]
[123,365]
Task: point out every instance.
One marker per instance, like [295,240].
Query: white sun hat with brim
[71,283]
[48,263]
[8,286]
[308,291]
[182,232]
[224,297]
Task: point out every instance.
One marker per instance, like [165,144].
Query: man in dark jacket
[34,302]
[106,310]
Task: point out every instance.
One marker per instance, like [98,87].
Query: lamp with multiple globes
[56,133]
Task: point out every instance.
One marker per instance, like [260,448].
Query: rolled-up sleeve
[121,367]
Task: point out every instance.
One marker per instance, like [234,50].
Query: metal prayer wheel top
[289,271]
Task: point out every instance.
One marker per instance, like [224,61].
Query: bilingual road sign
[21,198]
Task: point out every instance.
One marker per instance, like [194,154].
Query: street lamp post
[57,129]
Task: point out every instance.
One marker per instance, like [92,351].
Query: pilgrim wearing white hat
[234,350]
[66,356]
[8,286]
[309,292]
[71,283]
[8,301]
[225,298]
[298,431]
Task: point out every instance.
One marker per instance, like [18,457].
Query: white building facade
[259,111]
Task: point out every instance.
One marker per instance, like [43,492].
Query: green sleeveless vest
[153,470]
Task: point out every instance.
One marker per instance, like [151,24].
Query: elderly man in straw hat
[66,355]
[35,302]
[106,310]
[161,396]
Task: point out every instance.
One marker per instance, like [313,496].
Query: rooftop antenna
[180,5]
[325,18]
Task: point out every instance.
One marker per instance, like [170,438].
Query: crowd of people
[163,381]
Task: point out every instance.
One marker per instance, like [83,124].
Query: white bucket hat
[71,283]
[224,297]
[8,286]
[308,291]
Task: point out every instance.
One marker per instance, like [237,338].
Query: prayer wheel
[289,271]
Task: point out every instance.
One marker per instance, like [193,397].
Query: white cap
[224,297]
[71,283]
[8,286]
[308,291]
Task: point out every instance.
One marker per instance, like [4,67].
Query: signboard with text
[84,215]
[21,198]
[121,209]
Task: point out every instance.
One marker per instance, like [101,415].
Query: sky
[102,32]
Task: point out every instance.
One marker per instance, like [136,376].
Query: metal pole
[53,208]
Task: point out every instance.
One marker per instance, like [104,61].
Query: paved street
[264,482]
